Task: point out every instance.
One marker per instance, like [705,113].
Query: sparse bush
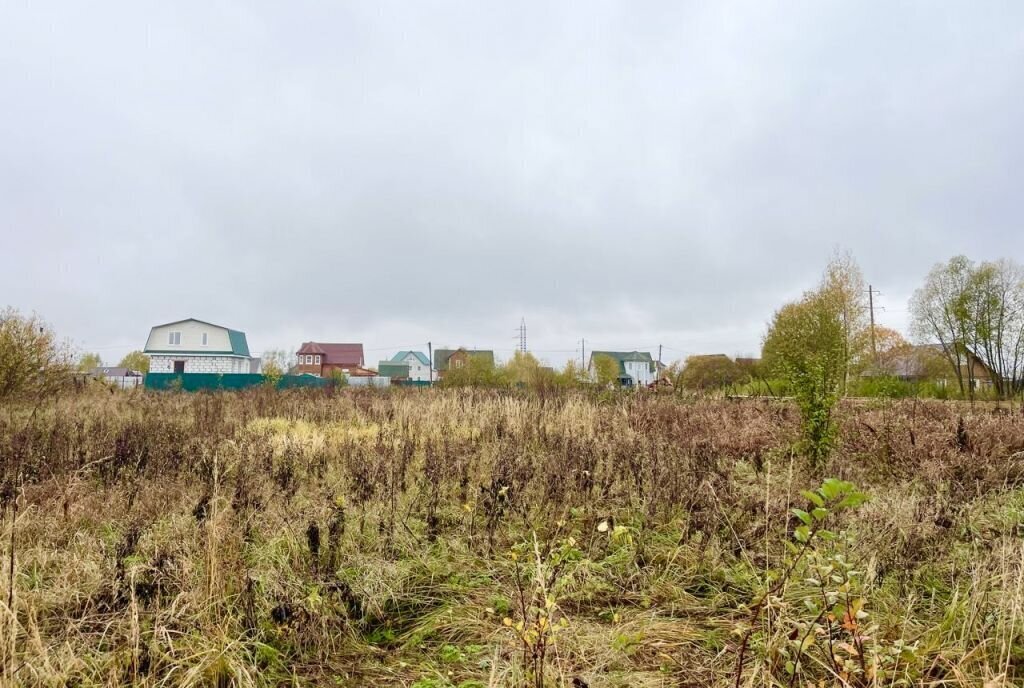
[33,364]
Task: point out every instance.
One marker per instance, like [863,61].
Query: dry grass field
[455,538]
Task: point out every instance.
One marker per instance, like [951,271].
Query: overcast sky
[630,173]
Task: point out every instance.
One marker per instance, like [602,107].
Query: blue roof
[420,356]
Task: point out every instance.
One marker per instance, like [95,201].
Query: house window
[204,338]
[318,360]
[309,359]
[174,338]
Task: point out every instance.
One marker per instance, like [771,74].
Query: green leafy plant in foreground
[813,616]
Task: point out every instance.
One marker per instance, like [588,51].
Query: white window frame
[317,360]
[174,339]
[309,359]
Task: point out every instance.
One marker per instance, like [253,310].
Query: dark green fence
[199,382]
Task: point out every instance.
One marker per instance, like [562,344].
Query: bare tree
[276,362]
[843,285]
[998,322]
[942,310]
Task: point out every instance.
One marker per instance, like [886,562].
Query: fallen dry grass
[266,539]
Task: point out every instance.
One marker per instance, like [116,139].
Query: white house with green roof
[197,346]
[419,364]
[636,368]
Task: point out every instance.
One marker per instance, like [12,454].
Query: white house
[419,364]
[636,368]
[196,346]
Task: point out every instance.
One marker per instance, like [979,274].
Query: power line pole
[522,335]
[430,357]
[583,352]
[871,307]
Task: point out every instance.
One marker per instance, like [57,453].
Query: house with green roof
[416,362]
[197,346]
[636,368]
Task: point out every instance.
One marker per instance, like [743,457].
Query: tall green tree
[88,361]
[572,375]
[606,370]
[135,360]
[477,371]
[709,372]
[807,346]
[524,370]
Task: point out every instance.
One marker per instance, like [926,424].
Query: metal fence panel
[197,382]
[375,381]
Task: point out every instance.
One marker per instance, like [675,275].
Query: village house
[635,367]
[929,363]
[445,359]
[197,346]
[417,363]
[324,359]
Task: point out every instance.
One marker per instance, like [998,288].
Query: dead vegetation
[474,538]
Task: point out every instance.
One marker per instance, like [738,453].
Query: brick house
[322,359]
[446,359]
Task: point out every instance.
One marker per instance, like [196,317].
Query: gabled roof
[622,357]
[336,354]
[441,356]
[912,362]
[420,356]
[196,320]
[239,345]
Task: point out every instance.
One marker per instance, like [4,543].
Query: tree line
[816,349]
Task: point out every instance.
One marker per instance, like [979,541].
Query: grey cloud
[632,173]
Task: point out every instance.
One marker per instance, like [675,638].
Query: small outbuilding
[125,378]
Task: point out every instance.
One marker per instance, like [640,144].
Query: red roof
[337,354]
